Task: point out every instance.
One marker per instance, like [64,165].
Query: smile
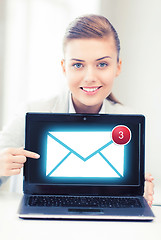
[90,89]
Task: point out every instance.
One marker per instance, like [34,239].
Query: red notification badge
[121,135]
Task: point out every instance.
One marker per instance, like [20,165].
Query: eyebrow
[79,60]
[102,58]
[75,59]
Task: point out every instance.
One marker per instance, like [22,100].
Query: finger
[13,169]
[26,153]
[148,177]
[150,198]
[149,191]
[14,172]
[150,203]
[149,188]
[30,154]
[18,159]
[17,166]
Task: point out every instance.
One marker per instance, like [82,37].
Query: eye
[77,65]
[102,65]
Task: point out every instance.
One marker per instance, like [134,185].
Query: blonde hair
[91,26]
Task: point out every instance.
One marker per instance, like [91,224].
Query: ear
[63,65]
[119,66]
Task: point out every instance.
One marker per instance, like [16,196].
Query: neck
[87,109]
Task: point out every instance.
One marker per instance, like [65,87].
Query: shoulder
[56,103]
[13,132]
[117,108]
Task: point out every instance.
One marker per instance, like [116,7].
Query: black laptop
[90,167]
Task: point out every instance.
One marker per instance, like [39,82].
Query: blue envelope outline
[98,151]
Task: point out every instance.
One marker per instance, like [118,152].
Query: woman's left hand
[149,189]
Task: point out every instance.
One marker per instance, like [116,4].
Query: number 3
[121,135]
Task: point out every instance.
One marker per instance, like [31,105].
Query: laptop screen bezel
[35,188]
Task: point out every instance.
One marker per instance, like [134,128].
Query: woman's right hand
[13,159]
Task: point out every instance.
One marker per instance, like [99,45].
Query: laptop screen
[84,150]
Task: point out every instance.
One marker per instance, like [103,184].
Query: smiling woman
[90,66]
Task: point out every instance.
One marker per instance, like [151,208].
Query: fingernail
[37,155]
[150,203]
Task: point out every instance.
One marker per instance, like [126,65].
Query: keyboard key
[66,201]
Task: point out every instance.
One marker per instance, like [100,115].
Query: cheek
[73,78]
[107,78]
[72,81]
[69,76]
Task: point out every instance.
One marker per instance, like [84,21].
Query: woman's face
[90,67]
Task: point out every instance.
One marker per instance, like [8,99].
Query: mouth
[90,90]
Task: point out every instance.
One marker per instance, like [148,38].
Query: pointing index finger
[30,154]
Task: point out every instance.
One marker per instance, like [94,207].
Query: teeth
[90,89]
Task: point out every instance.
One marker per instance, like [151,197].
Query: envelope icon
[83,154]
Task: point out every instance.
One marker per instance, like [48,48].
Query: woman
[91,63]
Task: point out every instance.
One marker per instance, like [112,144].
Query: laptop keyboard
[66,201]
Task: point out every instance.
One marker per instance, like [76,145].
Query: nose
[90,75]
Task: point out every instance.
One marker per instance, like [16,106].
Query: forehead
[90,48]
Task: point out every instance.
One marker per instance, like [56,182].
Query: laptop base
[84,213]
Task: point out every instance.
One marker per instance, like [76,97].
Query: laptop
[90,167]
